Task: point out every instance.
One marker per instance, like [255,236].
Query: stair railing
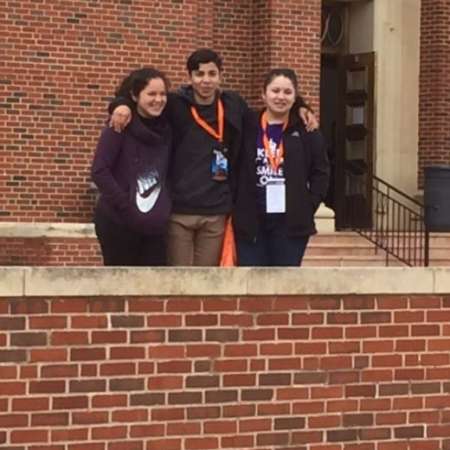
[392,220]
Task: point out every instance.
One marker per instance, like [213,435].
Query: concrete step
[348,261]
[436,262]
[350,249]
[338,249]
[440,239]
[343,237]
[348,237]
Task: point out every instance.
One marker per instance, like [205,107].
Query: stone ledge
[324,221]
[46,229]
[105,281]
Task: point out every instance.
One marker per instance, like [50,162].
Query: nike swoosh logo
[147,192]
[145,204]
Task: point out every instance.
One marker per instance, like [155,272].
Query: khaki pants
[195,240]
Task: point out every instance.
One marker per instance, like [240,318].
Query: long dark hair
[280,71]
[291,75]
[137,80]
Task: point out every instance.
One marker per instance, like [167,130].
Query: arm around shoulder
[320,167]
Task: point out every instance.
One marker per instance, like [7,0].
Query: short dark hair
[281,71]
[203,56]
[138,79]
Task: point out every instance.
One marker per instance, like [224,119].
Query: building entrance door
[347,90]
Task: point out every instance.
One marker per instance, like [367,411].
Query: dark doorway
[354,158]
[346,112]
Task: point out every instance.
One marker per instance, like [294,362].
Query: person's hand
[309,119]
[120,118]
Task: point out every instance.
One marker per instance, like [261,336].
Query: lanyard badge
[219,160]
[205,125]
[276,188]
[274,154]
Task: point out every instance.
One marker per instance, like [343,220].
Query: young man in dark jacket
[208,127]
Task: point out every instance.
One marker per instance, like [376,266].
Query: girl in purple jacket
[130,171]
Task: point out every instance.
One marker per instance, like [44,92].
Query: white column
[397,47]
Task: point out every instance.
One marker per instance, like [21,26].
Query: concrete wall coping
[46,229]
[324,218]
[192,281]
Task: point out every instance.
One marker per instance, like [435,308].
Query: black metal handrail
[391,219]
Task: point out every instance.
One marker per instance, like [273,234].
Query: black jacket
[193,189]
[306,170]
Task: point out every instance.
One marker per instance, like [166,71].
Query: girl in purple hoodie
[130,171]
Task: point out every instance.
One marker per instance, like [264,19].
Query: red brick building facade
[434,118]
[60,63]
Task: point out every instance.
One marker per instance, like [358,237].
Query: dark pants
[273,246]
[123,247]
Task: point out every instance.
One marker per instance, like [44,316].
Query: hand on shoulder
[120,118]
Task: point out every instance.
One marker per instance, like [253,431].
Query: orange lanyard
[275,157]
[220,120]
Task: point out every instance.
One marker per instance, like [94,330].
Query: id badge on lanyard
[275,187]
[276,196]
[219,160]
[219,164]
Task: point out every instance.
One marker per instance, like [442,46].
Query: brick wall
[233,38]
[287,33]
[61,61]
[434,115]
[184,373]
[50,251]
[261,46]
[300,47]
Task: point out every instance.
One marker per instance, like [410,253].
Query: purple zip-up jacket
[130,171]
